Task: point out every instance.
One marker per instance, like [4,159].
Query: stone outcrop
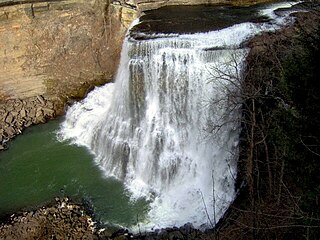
[146,5]
[56,49]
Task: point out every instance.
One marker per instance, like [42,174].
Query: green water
[37,167]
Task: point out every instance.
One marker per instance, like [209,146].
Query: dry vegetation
[280,150]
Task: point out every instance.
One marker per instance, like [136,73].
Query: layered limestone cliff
[54,50]
[56,47]
[145,5]
[57,50]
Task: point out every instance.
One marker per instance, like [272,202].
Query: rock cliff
[55,50]
[59,49]
[55,47]
[145,5]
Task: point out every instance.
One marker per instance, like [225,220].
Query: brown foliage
[270,204]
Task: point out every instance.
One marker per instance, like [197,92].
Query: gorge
[164,137]
[169,125]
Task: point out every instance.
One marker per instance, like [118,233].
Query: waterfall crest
[169,126]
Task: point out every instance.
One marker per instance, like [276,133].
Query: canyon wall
[54,51]
[145,5]
[57,50]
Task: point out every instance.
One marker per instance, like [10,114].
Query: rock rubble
[65,219]
[16,115]
[62,220]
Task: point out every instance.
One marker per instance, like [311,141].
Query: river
[148,135]
[37,167]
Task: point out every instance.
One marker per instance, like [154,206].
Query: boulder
[9,118]
[48,112]
[3,116]
[27,123]
[10,131]
[14,114]
[39,113]
[23,113]
[32,113]
[41,100]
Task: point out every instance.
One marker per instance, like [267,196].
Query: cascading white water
[169,126]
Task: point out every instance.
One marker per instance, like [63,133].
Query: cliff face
[145,5]
[55,48]
[58,49]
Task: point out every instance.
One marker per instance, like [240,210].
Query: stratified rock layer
[146,5]
[54,49]
[58,47]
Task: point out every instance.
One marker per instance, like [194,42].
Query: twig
[206,210]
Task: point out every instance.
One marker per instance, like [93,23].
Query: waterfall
[169,126]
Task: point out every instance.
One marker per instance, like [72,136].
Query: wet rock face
[192,19]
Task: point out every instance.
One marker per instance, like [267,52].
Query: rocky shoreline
[65,219]
[18,114]
[53,52]
[62,219]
